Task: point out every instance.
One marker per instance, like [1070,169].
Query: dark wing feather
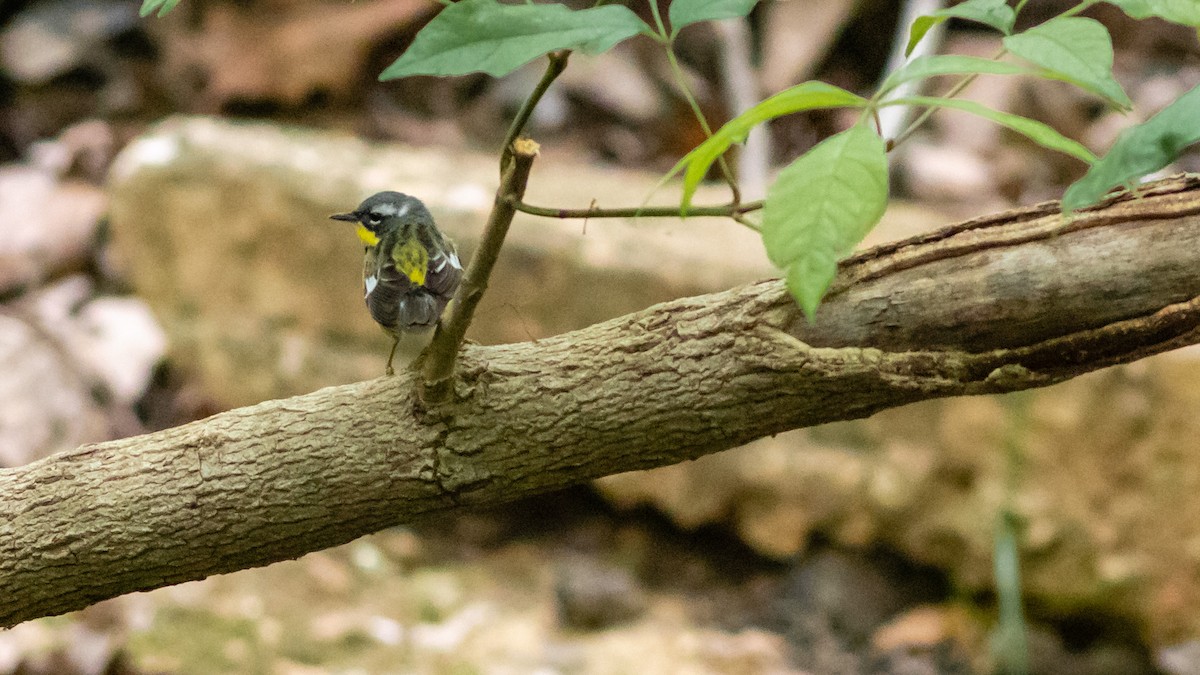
[398,304]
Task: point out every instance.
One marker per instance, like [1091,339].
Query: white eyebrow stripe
[403,209]
[386,209]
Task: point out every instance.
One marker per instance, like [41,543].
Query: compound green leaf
[934,65]
[821,206]
[161,6]
[807,96]
[1140,150]
[1042,134]
[1185,12]
[994,13]
[1075,50]
[687,12]
[485,36]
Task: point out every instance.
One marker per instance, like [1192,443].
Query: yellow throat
[368,237]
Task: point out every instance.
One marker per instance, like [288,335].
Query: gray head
[384,211]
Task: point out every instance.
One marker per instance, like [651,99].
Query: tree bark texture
[1018,300]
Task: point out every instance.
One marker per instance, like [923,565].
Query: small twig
[436,385]
[726,210]
[557,64]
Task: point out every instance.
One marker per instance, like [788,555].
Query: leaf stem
[668,42]
[681,80]
[658,23]
[928,112]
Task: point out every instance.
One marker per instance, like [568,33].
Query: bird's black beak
[348,217]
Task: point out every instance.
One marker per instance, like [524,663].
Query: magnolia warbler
[411,270]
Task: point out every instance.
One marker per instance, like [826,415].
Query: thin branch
[439,364]
[515,162]
[557,64]
[726,210]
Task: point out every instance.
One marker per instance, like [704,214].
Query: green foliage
[1185,12]
[1140,150]
[694,11]
[821,207]
[994,13]
[1074,50]
[924,67]
[806,96]
[161,6]
[485,36]
[1036,131]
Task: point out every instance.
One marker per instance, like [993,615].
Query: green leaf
[1185,12]
[687,12]
[163,6]
[806,96]
[821,206]
[1140,150]
[1074,50]
[934,65]
[1037,132]
[994,13]
[485,36]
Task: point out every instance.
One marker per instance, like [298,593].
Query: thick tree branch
[1018,300]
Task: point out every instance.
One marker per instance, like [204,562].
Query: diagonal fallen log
[1013,301]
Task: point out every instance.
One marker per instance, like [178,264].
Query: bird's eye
[374,218]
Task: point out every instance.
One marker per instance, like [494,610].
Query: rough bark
[1018,300]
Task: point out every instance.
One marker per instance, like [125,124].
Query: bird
[410,269]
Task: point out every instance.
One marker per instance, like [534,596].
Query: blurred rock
[75,366]
[934,639]
[45,406]
[1180,659]
[853,593]
[86,147]
[49,226]
[119,342]
[219,53]
[592,596]
[52,37]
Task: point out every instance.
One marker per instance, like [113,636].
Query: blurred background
[165,254]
